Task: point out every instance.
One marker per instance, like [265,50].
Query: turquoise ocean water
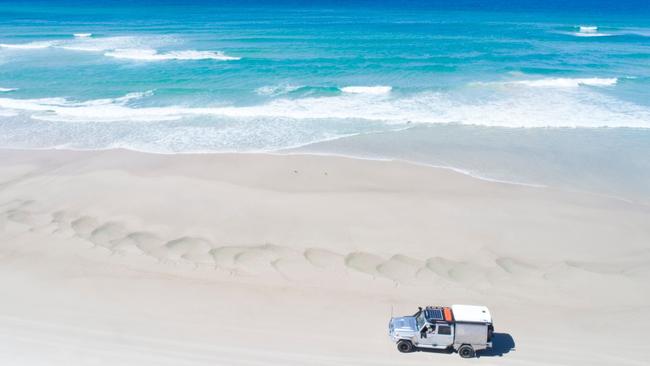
[556,95]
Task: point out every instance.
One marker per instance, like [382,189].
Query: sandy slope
[111,258]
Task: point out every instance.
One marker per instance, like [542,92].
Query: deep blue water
[205,76]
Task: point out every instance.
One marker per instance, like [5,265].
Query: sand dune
[121,257]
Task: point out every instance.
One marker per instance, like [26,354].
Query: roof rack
[438,313]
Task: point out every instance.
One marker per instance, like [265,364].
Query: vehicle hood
[404,326]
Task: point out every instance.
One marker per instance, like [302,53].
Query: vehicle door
[427,334]
[443,337]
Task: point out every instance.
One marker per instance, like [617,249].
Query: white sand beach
[125,258]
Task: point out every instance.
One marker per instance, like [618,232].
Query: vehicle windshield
[420,320]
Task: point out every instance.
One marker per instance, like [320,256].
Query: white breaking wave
[92,44]
[582,34]
[282,89]
[372,90]
[123,47]
[529,107]
[535,108]
[567,82]
[96,110]
[588,29]
[555,82]
[4,90]
[86,43]
[154,55]
[28,46]
[275,90]
[109,101]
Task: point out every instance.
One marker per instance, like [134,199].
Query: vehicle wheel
[405,346]
[466,351]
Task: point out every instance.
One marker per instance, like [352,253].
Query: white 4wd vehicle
[463,328]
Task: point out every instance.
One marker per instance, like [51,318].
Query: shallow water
[611,162]
[475,88]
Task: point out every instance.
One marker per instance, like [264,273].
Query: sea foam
[4,90]
[531,107]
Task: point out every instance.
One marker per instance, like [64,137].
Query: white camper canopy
[471,313]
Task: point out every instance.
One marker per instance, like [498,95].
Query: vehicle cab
[434,329]
[431,327]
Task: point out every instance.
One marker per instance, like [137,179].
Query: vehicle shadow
[502,343]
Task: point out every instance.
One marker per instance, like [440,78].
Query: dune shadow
[502,343]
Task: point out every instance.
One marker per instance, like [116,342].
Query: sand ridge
[313,263]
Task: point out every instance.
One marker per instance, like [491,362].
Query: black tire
[405,346]
[466,351]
